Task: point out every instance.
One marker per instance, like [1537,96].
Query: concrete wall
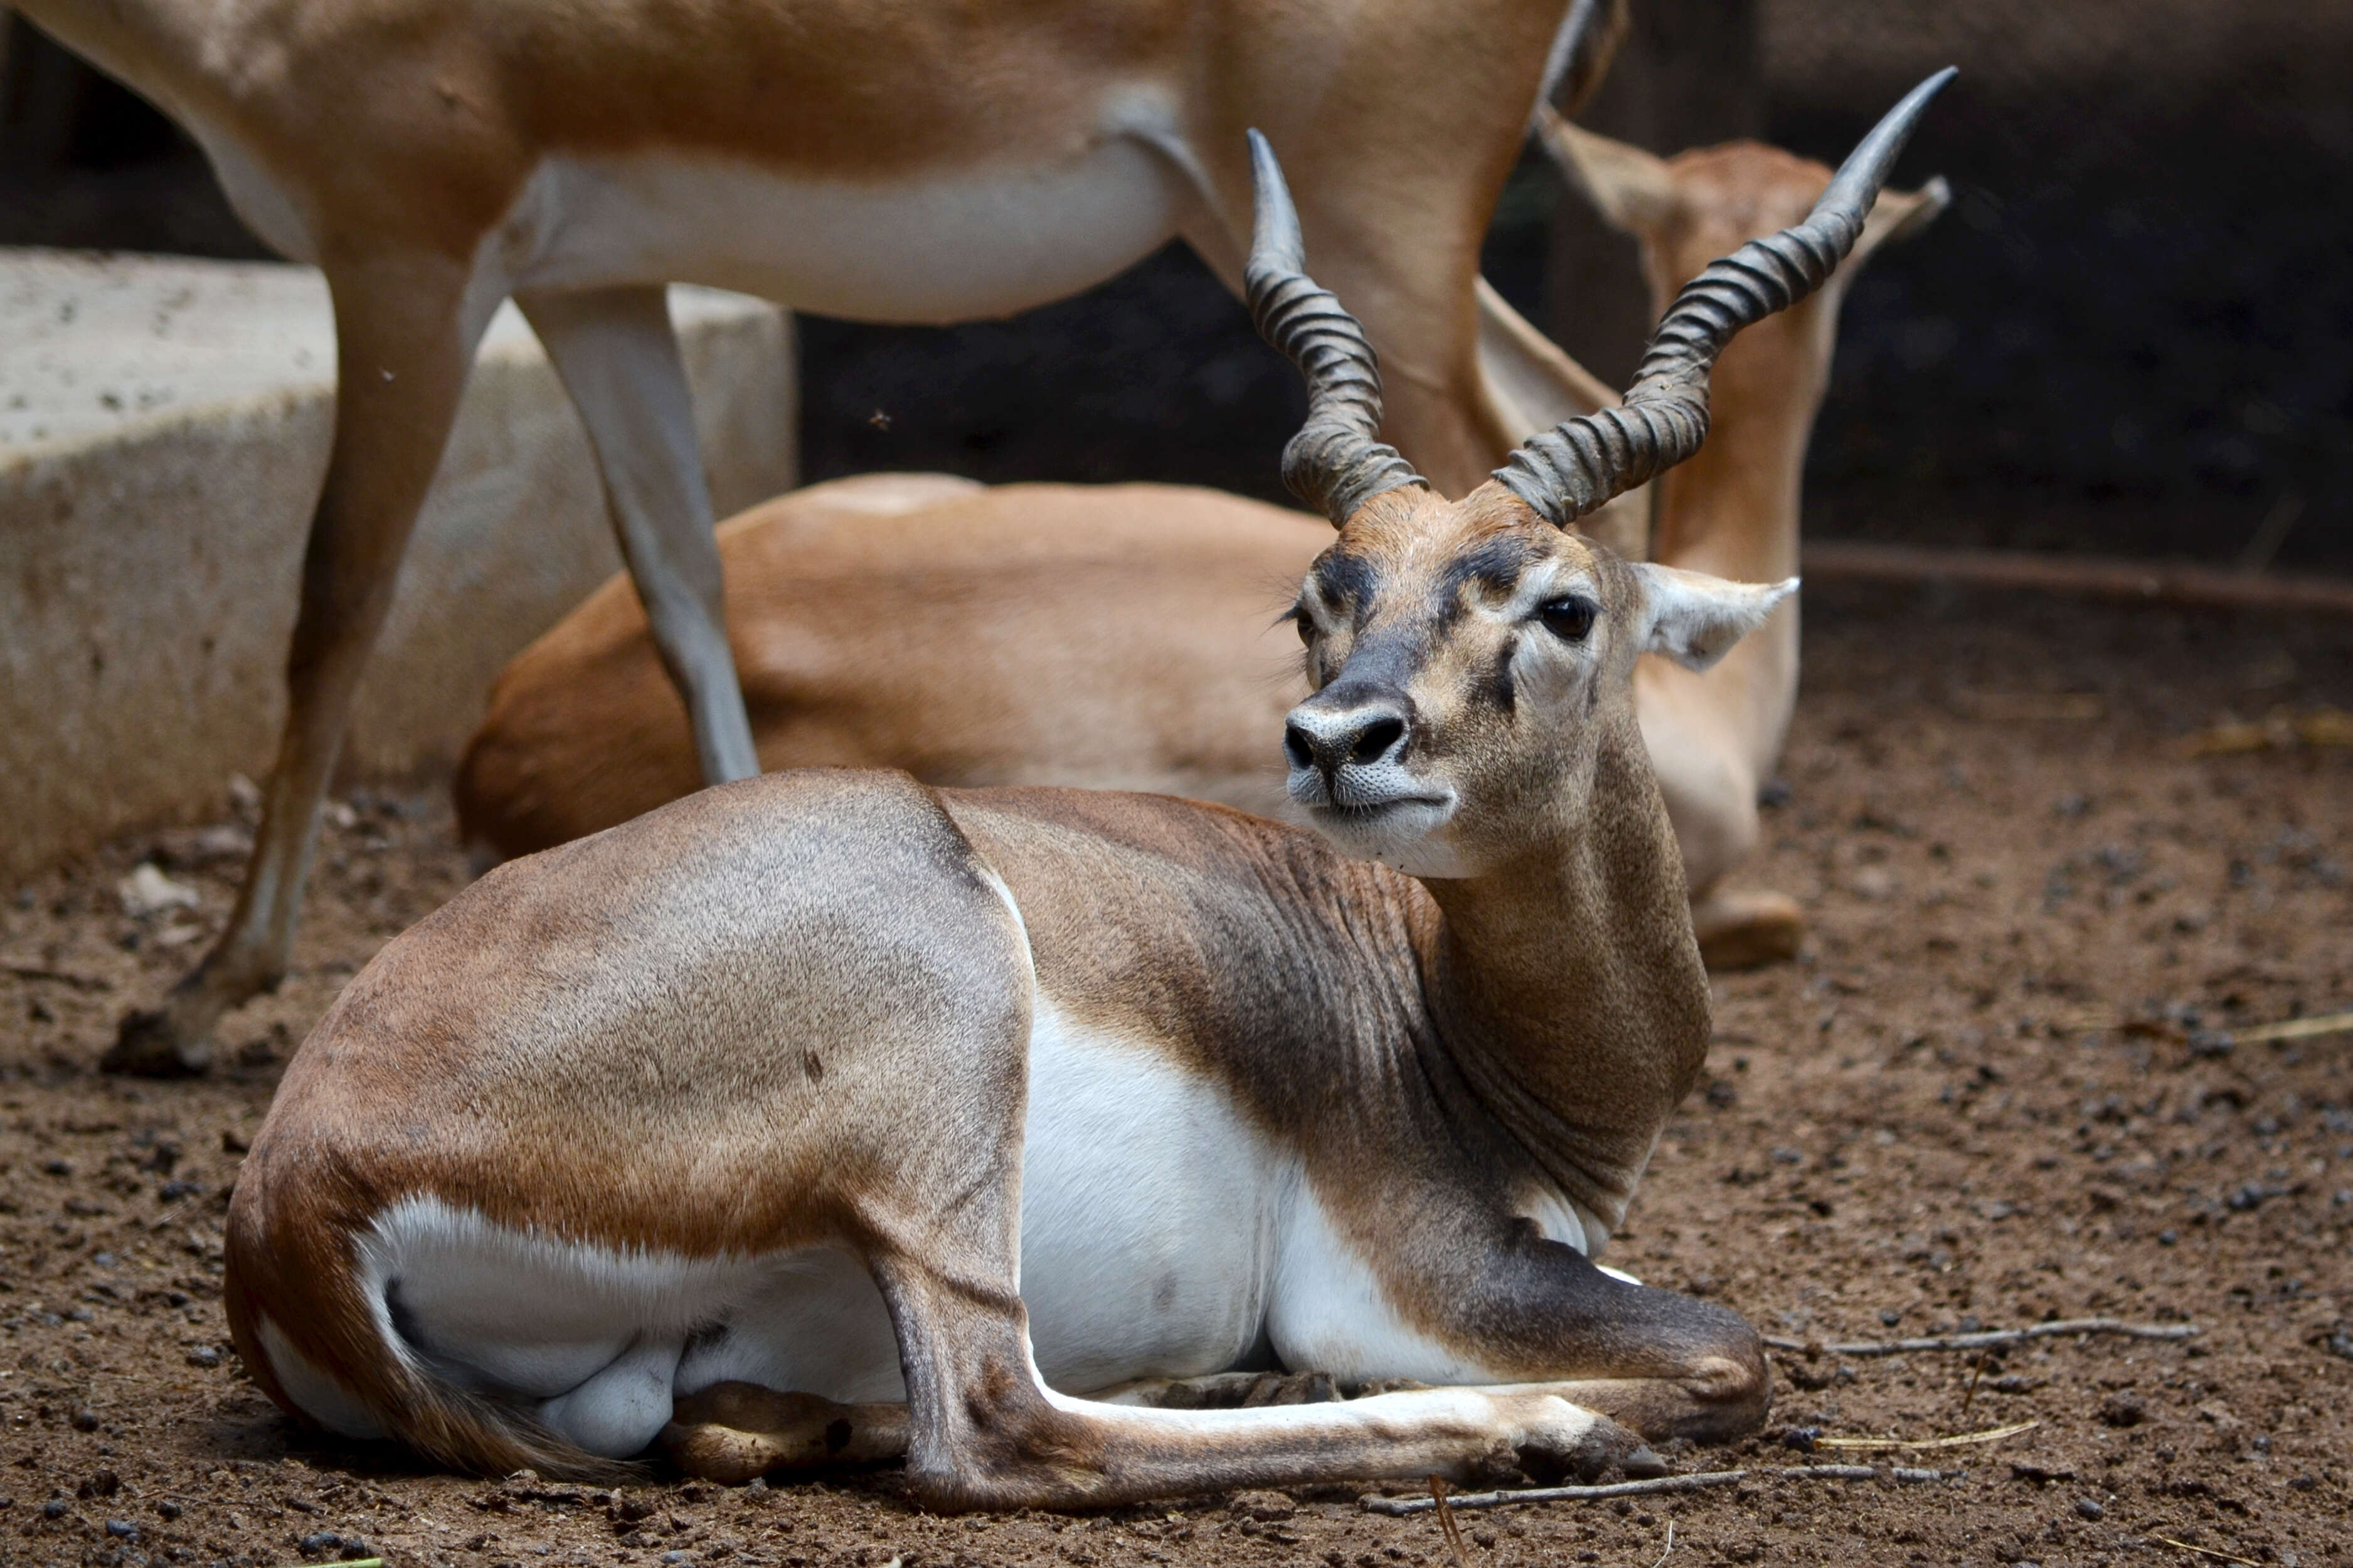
[164,428]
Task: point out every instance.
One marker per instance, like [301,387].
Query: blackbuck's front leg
[405,333]
[984,1431]
[618,358]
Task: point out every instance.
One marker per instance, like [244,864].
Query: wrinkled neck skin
[1568,988]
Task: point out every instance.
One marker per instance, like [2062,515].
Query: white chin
[1399,837]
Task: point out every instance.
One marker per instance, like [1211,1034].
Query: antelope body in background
[922,162]
[1119,637]
[828,1089]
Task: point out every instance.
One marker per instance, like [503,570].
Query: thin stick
[1992,1337]
[2093,576]
[1990,1434]
[1670,1551]
[1860,1473]
[2297,1029]
[1977,1371]
[1446,1525]
[1402,1506]
[2203,1551]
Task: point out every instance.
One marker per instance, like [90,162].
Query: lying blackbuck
[1118,635]
[828,1113]
[926,161]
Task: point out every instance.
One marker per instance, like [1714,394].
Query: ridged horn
[1337,463]
[1569,471]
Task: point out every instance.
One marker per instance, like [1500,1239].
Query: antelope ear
[1634,190]
[1900,215]
[1695,618]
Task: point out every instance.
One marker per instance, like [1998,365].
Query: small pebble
[204,1355]
[121,1530]
[2085,1508]
[167,1509]
[103,1260]
[85,1421]
[2124,1408]
[54,1509]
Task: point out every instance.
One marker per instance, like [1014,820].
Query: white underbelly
[1149,1216]
[1149,1212]
[982,242]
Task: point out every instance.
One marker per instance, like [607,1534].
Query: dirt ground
[2000,1087]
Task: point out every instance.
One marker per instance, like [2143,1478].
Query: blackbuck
[920,161]
[1733,509]
[1123,636]
[831,1112]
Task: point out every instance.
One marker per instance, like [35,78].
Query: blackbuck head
[1699,205]
[1471,660]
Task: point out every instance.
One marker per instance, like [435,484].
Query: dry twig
[1991,1337]
[2099,578]
[2204,1551]
[1670,1551]
[26,969]
[1402,1506]
[1959,1440]
[2296,1029]
[1446,1525]
[1447,1502]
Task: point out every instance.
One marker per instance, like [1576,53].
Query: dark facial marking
[1493,563]
[1347,583]
[1500,688]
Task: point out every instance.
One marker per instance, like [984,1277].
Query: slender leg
[404,340]
[618,359]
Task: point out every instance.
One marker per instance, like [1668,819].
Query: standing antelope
[1117,636]
[920,162]
[830,1090]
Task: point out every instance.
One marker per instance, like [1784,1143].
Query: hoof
[1747,930]
[1600,1449]
[148,1045]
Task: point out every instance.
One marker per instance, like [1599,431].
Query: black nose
[1331,739]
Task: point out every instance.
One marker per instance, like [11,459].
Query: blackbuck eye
[1569,619]
[1299,618]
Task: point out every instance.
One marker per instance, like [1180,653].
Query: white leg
[618,359]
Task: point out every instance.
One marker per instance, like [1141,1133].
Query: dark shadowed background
[2132,334]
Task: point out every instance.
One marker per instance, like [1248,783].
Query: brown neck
[1568,988]
[1732,509]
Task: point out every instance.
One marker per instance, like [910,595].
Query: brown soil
[1992,1092]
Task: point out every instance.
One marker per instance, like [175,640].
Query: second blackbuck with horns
[900,1118]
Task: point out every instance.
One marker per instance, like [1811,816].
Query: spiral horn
[1336,462]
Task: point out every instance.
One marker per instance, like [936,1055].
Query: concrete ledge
[164,429]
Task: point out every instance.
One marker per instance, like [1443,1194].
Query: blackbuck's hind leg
[618,358]
[404,332]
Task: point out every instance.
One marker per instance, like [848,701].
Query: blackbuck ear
[1694,619]
[1634,190]
[1899,214]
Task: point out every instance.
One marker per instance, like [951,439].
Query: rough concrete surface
[164,427]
